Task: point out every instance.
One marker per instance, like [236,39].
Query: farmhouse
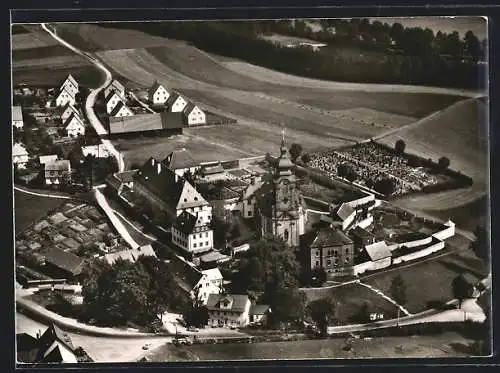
[228,310]
[181,161]
[191,234]
[115,86]
[61,264]
[57,172]
[162,124]
[74,126]
[172,194]
[121,110]
[65,97]
[111,100]
[17,117]
[19,155]
[68,109]
[328,248]
[53,346]
[43,159]
[98,151]
[175,103]
[202,282]
[71,85]
[193,115]
[157,94]
[259,312]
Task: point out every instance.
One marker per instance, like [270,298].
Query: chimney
[158,168]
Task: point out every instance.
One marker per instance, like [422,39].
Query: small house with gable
[193,115]
[157,94]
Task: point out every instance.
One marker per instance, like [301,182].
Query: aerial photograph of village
[191,191]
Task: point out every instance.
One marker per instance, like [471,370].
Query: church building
[282,206]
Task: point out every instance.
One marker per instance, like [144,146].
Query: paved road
[40,194]
[90,102]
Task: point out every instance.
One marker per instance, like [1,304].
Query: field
[38,59]
[460,133]
[446,344]
[433,276]
[30,208]
[350,299]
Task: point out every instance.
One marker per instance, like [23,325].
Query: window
[328,262]
[317,263]
[194,245]
[317,253]
[249,213]
[185,200]
[206,243]
[206,285]
[196,198]
[286,234]
[347,251]
[336,262]
[335,253]
[206,234]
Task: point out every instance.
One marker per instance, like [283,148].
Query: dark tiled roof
[215,192]
[259,309]
[154,88]
[361,232]
[52,334]
[59,165]
[63,260]
[179,159]
[117,108]
[189,107]
[172,98]
[163,185]
[126,176]
[239,302]
[185,222]
[326,237]
[70,118]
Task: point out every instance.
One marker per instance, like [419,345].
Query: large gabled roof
[72,116]
[110,96]
[180,159]
[63,260]
[152,90]
[378,250]
[118,107]
[173,98]
[239,301]
[326,237]
[71,80]
[185,222]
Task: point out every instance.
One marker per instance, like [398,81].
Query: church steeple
[284,164]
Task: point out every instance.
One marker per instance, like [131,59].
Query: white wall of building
[196,116]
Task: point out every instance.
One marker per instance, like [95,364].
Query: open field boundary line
[386,297]
[40,194]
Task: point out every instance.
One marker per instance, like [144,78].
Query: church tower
[285,216]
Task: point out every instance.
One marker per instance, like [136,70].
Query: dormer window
[185,200]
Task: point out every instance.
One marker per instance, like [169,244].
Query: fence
[420,253]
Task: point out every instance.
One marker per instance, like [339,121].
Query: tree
[472,45]
[343,170]
[480,245]
[288,305]
[322,312]
[295,151]
[306,158]
[443,163]
[195,313]
[386,186]
[318,276]
[400,146]
[461,289]
[398,291]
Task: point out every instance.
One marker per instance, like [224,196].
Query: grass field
[350,299]
[29,208]
[446,344]
[427,283]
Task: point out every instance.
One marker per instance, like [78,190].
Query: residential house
[361,237]
[175,103]
[193,115]
[111,100]
[121,110]
[380,254]
[213,172]
[68,109]
[203,283]
[20,156]
[74,126]
[181,161]
[64,97]
[228,310]
[116,86]
[57,172]
[43,159]
[258,313]
[191,234]
[162,124]
[119,180]
[157,94]
[17,117]
[328,248]
[211,260]
[130,254]
[345,214]
[249,198]
[53,346]
[171,193]
[98,151]
[62,264]
[71,85]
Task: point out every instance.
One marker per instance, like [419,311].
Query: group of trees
[124,292]
[347,172]
[418,56]
[297,151]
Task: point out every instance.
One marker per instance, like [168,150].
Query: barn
[160,124]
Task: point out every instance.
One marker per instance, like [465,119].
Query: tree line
[401,55]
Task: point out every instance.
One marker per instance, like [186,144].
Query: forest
[384,53]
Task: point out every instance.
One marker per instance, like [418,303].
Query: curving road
[89,103]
